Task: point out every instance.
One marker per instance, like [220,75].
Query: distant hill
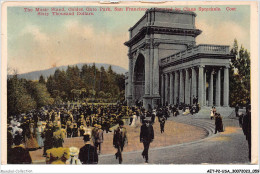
[34,75]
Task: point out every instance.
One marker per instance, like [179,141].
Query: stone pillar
[194,82]
[126,86]
[130,82]
[156,70]
[190,91]
[147,72]
[187,87]
[218,88]
[205,88]
[211,89]
[151,70]
[181,96]
[147,94]
[201,86]
[162,89]
[171,89]
[176,86]
[226,87]
[155,83]
[166,88]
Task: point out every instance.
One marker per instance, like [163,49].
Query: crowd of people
[47,128]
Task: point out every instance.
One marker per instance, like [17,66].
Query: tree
[84,79]
[42,80]
[18,99]
[40,94]
[239,75]
[51,84]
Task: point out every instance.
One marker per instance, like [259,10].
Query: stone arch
[139,77]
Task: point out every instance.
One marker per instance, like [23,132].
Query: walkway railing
[199,49]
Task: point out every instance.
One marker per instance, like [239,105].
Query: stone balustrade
[199,49]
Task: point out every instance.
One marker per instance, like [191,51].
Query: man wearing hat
[120,140]
[146,137]
[162,120]
[88,153]
[99,138]
[246,127]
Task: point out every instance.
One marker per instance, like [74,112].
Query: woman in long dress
[134,120]
[39,133]
[30,138]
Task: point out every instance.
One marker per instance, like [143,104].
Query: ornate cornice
[161,30]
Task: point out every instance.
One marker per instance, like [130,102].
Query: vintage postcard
[101,86]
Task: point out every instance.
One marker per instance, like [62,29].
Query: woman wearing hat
[134,120]
[73,159]
[218,123]
[57,155]
[30,139]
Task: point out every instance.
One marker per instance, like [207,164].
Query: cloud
[222,34]
[35,32]
[75,43]
[79,42]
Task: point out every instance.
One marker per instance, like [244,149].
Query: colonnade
[209,84]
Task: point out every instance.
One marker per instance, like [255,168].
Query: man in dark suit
[88,153]
[162,123]
[246,126]
[120,140]
[146,137]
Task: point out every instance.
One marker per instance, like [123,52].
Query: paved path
[222,148]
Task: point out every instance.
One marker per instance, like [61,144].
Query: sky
[41,42]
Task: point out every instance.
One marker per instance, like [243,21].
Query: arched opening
[139,78]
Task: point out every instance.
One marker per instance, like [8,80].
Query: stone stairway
[205,112]
[207,124]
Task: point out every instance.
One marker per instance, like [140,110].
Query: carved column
[187,87]
[211,89]
[156,69]
[201,86]
[166,88]
[194,82]
[176,86]
[226,87]
[218,87]
[171,88]
[181,87]
[151,70]
[130,82]
[147,69]
[162,89]
[205,88]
